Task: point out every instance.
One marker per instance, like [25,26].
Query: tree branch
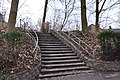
[102,6]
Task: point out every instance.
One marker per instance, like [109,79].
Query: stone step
[44,34]
[58,55]
[50,42]
[64,74]
[59,58]
[63,65]
[39,33]
[49,39]
[48,71]
[56,52]
[54,49]
[61,61]
[45,37]
[55,44]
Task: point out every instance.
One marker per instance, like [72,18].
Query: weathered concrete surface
[91,76]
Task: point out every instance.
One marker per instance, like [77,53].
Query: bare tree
[64,15]
[12,16]
[57,19]
[98,13]
[44,17]
[83,16]
[103,8]
[69,6]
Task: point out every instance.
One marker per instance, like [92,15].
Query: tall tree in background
[69,6]
[97,16]
[44,17]
[83,16]
[12,16]
[98,13]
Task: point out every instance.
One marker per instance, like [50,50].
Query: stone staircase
[57,59]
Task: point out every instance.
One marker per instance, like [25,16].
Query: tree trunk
[44,17]
[83,16]
[97,16]
[12,16]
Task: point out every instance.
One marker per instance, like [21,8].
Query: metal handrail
[79,45]
[35,40]
[36,48]
[91,53]
[83,43]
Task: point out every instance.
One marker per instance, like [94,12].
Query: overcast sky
[34,10]
[30,8]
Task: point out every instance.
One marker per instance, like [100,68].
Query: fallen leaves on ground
[90,39]
[24,58]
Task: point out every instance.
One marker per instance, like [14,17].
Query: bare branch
[102,6]
[22,5]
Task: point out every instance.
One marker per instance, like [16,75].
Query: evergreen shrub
[110,45]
